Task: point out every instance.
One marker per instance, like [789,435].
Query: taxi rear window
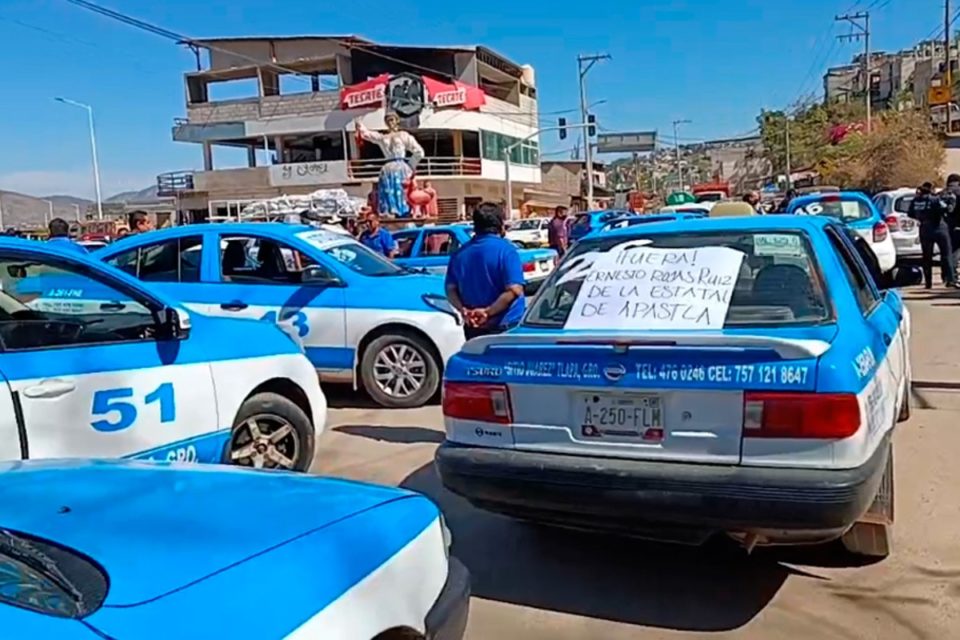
[775,280]
[845,210]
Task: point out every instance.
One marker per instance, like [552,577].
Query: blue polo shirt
[66,243]
[380,241]
[482,269]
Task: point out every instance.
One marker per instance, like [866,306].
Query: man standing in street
[485,277]
[558,231]
[376,238]
[753,199]
[951,198]
[930,212]
[60,236]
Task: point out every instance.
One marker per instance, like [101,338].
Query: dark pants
[939,236]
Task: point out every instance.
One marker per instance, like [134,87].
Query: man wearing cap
[485,277]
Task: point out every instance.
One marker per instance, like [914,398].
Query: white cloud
[75,182]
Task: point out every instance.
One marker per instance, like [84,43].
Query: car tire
[419,365]
[872,535]
[256,440]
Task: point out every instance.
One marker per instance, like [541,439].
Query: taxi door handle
[887,339]
[49,389]
[236,305]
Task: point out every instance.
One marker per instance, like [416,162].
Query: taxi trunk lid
[647,395]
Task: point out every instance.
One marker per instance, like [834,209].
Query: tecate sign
[366,97]
[453,98]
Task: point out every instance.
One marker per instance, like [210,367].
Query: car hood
[156,528]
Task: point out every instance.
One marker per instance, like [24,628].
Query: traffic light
[563,128]
[592,121]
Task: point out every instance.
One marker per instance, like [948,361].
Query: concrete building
[295,120]
[568,180]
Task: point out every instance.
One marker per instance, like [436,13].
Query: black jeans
[939,236]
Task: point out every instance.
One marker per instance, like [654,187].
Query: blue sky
[715,62]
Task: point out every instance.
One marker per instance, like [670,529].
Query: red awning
[368,93]
[457,94]
[371,93]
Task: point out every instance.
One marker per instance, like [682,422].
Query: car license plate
[544,265]
[626,418]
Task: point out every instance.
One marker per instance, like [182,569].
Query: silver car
[894,206]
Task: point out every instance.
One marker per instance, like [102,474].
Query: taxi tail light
[809,416]
[480,402]
[880,231]
[893,223]
[529,266]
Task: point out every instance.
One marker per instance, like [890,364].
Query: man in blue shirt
[485,277]
[60,236]
[377,238]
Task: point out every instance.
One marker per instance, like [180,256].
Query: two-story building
[296,121]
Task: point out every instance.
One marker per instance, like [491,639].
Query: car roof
[902,191]
[159,235]
[771,223]
[833,195]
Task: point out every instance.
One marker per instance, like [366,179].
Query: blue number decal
[110,400]
[299,320]
[168,406]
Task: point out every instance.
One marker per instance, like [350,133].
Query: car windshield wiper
[22,550]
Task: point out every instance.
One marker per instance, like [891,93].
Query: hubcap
[265,442]
[399,370]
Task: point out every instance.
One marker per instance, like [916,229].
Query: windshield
[527,225]
[582,221]
[44,577]
[846,210]
[362,260]
[716,196]
[686,281]
[902,204]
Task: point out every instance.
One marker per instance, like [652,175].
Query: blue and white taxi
[679,380]
[94,363]
[359,317]
[124,549]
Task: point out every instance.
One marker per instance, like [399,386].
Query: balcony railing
[428,167]
[174,182]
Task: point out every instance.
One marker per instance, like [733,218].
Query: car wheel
[400,371]
[872,535]
[271,432]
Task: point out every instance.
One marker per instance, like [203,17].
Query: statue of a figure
[396,174]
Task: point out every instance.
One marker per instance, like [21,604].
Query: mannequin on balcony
[397,174]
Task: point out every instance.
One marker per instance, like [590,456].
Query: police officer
[951,197]
[930,211]
[485,277]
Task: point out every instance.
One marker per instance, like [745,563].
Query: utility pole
[861,21]
[584,64]
[786,128]
[676,143]
[948,74]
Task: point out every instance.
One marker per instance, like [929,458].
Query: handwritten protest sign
[640,287]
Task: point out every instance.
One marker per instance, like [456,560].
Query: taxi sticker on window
[323,239]
[786,245]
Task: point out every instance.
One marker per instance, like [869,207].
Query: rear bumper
[447,619]
[662,499]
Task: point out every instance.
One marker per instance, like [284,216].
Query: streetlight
[93,149]
[676,143]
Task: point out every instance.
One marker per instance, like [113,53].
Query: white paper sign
[640,287]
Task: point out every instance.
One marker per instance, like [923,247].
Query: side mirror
[174,324]
[318,277]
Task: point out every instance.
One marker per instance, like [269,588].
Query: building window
[493,145]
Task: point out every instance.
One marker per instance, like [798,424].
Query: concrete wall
[561,179]
[263,108]
[271,51]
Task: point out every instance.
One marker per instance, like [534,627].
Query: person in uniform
[930,211]
[485,277]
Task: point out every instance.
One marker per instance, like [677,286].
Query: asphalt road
[534,584]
